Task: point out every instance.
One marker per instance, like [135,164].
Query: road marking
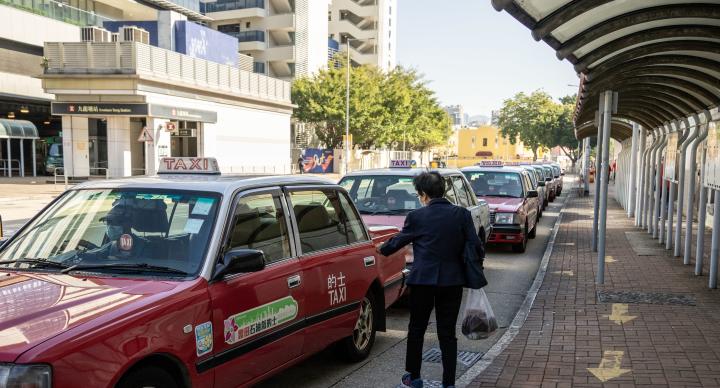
[619,314]
[566,273]
[610,259]
[609,367]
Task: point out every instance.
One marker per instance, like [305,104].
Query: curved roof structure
[661,56]
[17,129]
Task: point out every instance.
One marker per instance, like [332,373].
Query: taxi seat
[317,230]
[150,216]
[247,224]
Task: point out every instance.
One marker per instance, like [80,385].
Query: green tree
[385,108]
[529,118]
[564,133]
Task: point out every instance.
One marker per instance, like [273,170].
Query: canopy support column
[702,130]
[9,158]
[605,121]
[702,212]
[598,158]
[633,169]
[715,247]
[22,159]
[655,210]
[34,162]
[586,165]
[681,183]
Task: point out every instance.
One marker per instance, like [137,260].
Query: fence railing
[143,59]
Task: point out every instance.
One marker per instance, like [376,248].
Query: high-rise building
[285,38]
[457,115]
[369,27]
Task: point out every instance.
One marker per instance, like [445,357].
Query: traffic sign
[145,136]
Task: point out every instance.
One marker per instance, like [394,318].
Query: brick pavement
[569,333]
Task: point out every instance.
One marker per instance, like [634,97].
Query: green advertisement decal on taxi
[260,319]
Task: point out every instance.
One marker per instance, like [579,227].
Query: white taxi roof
[403,171]
[223,184]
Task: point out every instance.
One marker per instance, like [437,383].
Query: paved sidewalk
[653,323]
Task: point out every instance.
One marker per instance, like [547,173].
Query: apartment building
[285,38]
[457,115]
[369,27]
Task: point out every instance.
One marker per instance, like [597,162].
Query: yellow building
[487,143]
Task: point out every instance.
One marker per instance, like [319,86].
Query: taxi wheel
[148,376]
[533,232]
[357,346]
[520,248]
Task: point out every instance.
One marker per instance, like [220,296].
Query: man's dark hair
[430,183]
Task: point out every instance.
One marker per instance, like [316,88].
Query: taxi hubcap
[363,327]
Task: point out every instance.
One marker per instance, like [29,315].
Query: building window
[484,141]
[247,24]
[472,141]
[329,16]
[229,28]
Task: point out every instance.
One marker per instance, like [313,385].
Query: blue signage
[318,160]
[201,42]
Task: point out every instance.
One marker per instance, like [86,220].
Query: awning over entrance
[17,129]
[661,57]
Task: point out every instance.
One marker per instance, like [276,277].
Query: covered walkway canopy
[650,78]
[662,56]
[20,130]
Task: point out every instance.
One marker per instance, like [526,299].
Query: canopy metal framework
[653,65]
[19,130]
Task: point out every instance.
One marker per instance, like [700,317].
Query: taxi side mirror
[542,184]
[240,261]
[532,194]
[548,179]
[562,174]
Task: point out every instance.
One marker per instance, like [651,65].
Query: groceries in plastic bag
[478,318]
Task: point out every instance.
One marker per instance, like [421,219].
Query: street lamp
[347,104]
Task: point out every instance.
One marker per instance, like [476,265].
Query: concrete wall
[26,27]
[243,139]
[75,146]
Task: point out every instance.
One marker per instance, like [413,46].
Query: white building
[286,38]
[457,115]
[370,26]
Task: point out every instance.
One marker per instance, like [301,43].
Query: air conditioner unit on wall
[133,34]
[94,34]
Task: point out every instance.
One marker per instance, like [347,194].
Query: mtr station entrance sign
[712,168]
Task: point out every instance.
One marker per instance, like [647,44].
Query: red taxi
[512,199]
[386,196]
[195,279]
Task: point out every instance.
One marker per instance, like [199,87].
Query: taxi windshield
[495,183]
[128,232]
[382,194]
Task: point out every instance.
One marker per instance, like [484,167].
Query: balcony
[230,5]
[58,11]
[148,62]
[248,36]
[280,22]
[279,54]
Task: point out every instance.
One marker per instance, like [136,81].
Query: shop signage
[187,132]
[170,126]
[99,109]
[178,113]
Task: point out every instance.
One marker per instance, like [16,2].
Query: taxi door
[337,259]
[530,206]
[257,317]
[467,200]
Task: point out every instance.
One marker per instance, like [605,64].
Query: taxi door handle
[293,281]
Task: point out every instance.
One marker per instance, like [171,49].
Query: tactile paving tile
[635,297]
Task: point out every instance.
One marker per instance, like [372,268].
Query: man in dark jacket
[439,232]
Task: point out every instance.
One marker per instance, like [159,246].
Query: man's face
[391,201]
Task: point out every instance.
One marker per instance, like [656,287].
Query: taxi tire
[521,247]
[533,232]
[347,349]
[148,376]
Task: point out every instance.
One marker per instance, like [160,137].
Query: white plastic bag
[478,318]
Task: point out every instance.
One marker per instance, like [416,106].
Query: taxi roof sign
[189,165]
[491,163]
[401,163]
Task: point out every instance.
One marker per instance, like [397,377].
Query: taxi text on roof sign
[188,165]
[491,163]
[401,163]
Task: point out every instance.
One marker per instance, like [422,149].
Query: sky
[475,56]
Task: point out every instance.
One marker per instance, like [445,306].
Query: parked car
[54,160]
[550,182]
[513,202]
[386,196]
[536,186]
[187,280]
[558,176]
[542,182]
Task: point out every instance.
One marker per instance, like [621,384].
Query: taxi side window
[259,223]
[320,219]
[462,196]
[353,223]
[449,192]
[470,192]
